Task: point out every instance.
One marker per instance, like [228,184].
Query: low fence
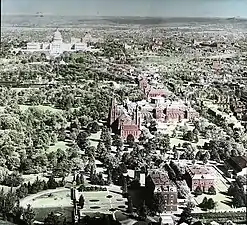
[236,216]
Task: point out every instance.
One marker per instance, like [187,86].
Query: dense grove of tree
[236,190]
[10,209]
[79,100]
[27,134]
[159,203]
[207,204]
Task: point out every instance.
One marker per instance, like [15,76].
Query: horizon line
[122,16]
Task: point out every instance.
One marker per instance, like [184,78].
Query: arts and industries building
[200,176]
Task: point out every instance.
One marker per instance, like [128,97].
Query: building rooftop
[239,161]
[161,180]
[57,36]
[201,172]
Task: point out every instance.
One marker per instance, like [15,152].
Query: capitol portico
[56,46]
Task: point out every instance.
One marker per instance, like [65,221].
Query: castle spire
[113,111]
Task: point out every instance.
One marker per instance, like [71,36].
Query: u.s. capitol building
[56,46]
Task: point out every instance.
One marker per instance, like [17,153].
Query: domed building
[56,46]
[57,37]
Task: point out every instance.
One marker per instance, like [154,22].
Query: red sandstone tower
[112,112]
[122,124]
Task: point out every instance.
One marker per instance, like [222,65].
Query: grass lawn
[42,107]
[2,108]
[176,141]
[58,202]
[94,139]
[32,177]
[221,199]
[42,213]
[60,144]
[57,199]
[23,89]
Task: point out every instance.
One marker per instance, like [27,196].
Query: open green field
[41,107]
[59,201]
[41,213]
[59,145]
[94,139]
[223,201]
[178,139]
[55,199]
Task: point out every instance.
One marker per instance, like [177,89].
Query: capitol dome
[57,36]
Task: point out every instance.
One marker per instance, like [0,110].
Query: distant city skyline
[144,8]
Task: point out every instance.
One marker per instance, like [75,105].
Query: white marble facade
[56,46]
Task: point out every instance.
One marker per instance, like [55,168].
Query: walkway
[27,200]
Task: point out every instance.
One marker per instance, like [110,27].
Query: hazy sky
[160,8]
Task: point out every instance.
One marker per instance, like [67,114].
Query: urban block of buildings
[126,119]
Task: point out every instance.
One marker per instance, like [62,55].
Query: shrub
[198,190]
[211,190]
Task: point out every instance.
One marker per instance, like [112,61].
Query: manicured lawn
[42,107]
[94,139]
[60,144]
[58,199]
[41,213]
[176,141]
[221,199]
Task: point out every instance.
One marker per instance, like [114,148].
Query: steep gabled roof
[238,161]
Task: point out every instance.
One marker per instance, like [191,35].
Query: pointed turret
[137,114]
[112,112]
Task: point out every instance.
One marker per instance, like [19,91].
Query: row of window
[203,183]
[174,115]
[171,202]
[134,133]
[171,196]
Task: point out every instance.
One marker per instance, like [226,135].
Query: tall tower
[112,112]
[137,115]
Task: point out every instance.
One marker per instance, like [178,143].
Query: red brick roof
[130,127]
[159,178]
